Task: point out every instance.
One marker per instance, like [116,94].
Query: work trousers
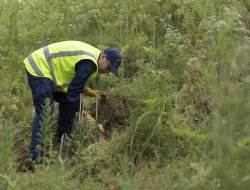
[42,89]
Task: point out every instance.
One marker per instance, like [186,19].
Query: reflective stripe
[64,85]
[48,59]
[71,53]
[61,87]
[34,66]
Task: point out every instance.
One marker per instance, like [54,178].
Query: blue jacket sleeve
[83,70]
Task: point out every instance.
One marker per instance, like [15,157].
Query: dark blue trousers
[42,89]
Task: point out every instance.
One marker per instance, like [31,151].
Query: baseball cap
[115,59]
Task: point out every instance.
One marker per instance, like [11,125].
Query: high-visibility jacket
[57,61]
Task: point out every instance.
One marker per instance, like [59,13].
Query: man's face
[103,64]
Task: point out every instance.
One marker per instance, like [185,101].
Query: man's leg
[66,117]
[42,89]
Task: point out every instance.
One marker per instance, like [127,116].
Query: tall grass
[187,85]
[7,177]
[231,96]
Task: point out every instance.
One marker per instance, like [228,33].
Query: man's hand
[101,93]
[94,93]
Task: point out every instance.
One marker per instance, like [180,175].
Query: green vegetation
[177,119]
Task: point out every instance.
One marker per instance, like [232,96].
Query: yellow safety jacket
[57,61]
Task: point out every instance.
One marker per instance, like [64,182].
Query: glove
[92,122]
[101,93]
[91,92]
[94,93]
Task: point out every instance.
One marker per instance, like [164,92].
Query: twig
[96,109]
[82,111]
[80,107]
[61,144]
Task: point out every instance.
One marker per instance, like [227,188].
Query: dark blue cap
[114,58]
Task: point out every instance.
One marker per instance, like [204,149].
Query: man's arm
[83,70]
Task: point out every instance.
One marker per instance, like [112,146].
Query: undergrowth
[176,118]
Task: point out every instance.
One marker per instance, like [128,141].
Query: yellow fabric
[63,57]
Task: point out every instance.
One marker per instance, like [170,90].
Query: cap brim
[113,69]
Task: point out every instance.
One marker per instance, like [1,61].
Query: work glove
[101,93]
[94,93]
[93,122]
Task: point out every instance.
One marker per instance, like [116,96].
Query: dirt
[113,113]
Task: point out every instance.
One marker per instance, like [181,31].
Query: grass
[179,130]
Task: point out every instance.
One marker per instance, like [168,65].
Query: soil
[113,113]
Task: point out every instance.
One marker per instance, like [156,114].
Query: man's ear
[103,55]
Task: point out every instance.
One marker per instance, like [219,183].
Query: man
[59,72]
